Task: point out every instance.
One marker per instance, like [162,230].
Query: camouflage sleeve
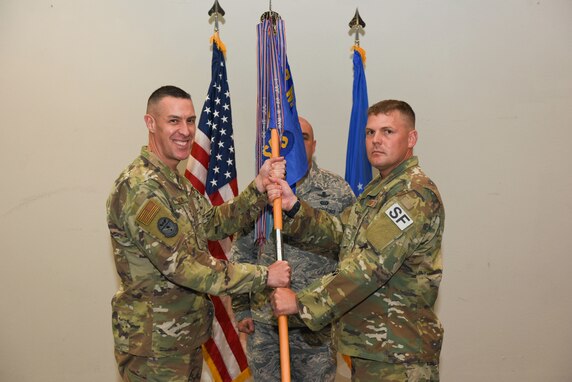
[236,214]
[313,228]
[393,234]
[243,251]
[171,243]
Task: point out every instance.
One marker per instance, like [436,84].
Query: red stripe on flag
[216,250]
[234,186]
[201,155]
[229,332]
[197,184]
[217,358]
[216,199]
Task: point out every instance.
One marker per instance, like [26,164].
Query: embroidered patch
[398,215]
[148,213]
[372,203]
[167,227]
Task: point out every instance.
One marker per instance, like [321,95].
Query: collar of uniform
[161,167]
[380,184]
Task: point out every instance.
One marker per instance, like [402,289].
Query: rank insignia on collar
[372,203]
[167,227]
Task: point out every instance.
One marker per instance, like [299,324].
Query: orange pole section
[282,320]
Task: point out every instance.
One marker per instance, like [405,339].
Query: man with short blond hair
[381,297]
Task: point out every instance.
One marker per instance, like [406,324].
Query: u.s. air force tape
[398,215]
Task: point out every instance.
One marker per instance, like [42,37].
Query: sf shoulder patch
[398,215]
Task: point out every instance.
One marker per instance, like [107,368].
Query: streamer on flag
[276,109]
[212,171]
[358,168]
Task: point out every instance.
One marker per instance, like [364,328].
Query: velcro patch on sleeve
[148,212]
[398,215]
[158,221]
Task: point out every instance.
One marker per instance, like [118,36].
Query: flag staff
[356,23]
[277,210]
[222,352]
[358,169]
[217,10]
[270,15]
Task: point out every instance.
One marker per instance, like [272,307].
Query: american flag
[212,171]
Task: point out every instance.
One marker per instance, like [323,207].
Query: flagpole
[358,169]
[277,209]
[282,320]
[223,355]
[271,102]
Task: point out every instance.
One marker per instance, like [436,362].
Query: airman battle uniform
[159,225]
[311,355]
[382,294]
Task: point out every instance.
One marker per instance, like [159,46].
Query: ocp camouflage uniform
[381,296]
[312,357]
[159,225]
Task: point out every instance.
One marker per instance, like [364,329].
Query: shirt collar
[161,167]
[379,183]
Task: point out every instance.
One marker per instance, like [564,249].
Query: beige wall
[491,82]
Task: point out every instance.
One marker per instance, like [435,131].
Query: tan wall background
[491,82]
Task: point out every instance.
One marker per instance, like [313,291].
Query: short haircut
[166,91]
[389,105]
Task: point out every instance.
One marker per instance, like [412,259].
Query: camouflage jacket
[320,189]
[159,225]
[382,295]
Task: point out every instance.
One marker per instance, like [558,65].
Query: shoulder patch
[409,200]
[398,215]
[158,221]
[148,213]
[167,227]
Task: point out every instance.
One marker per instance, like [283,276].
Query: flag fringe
[216,39]
[348,360]
[214,371]
[361,52]
[242,377]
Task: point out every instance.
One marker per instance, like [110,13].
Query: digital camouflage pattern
[329,192]
[159,225]
[383,292]
[312,357]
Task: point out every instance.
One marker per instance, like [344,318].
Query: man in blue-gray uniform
[381,298]
[311,355]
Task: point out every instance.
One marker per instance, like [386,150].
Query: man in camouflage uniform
[159,225]
[311,355]
[382,295]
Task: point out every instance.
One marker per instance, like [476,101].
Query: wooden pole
[282,320]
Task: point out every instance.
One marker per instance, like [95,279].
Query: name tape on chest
[398,215]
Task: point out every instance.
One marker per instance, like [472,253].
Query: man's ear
[149,122]
[412,139]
